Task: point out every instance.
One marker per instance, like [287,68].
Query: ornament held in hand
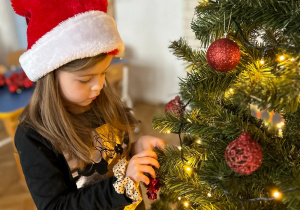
[243,155]
[174,107]
[223,55]
[153,187]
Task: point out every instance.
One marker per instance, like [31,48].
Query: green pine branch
[210,25]
[217,109]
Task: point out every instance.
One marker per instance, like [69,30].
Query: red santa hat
[62,31]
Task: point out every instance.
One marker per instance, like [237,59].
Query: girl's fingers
[142,163]
[144,178]
[148,169]
[146,153]
[148,161]
[161,144]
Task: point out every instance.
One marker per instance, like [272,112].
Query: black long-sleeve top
[50,181]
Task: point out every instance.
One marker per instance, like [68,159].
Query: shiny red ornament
[223,55]
[153,187]
[174,107]
[243,155]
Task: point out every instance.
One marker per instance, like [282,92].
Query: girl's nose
[98,83]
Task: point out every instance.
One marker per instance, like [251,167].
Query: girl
[74,136]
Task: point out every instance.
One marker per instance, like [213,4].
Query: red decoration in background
[2,80]
[153,187]
[243,155]
[223,55]
[16,82]
[174,106]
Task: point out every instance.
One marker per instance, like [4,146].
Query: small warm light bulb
[168,131]
[209,194]
[280,125]
[292,59]
[186,204]
[280,133]
[281,58]
[188,170]
[262,62]
[179,147]
[179,198]
[276,194]
[231,90]
[189,120]
[199,141]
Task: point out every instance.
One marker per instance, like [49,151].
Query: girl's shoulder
[26,133]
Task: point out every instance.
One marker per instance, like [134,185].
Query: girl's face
[80,88]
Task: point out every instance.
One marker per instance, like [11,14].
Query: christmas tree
[228,157]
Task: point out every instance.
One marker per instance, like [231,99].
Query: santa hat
[62,31]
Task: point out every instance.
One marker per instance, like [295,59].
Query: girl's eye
[84,81]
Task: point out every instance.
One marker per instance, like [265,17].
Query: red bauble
[28,83]
[223,55]
[153,187]
[13,88]
[174,107]
[243,155]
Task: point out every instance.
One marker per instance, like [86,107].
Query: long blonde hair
[70,133]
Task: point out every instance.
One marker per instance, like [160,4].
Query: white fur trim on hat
[84,35]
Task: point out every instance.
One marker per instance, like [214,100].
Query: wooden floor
[15,196]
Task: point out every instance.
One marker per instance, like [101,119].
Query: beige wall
[188,14]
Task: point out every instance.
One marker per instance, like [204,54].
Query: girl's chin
[79,108]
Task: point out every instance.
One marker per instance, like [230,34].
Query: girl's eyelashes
[87,80]
[84,81]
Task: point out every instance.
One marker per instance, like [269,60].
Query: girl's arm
[50,181]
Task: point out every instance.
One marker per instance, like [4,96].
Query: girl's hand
[147,143]
[140,164]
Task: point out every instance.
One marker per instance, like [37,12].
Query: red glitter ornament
[243,155]
[223,55]
[174,106]
[152,187]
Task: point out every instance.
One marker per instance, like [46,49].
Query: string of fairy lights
[275,194]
